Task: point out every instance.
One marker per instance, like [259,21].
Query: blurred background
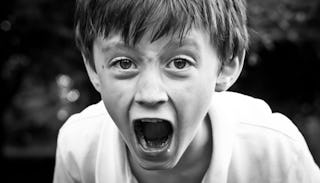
[43,80]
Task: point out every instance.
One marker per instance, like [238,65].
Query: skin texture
[167,80]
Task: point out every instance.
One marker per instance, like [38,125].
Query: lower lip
[155,152]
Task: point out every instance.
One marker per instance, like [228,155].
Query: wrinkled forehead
[135,19]
[195,39]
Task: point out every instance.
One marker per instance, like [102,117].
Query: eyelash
[186,60]
[171,65]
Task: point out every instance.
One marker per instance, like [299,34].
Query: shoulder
[92,113]
[78,140]
[253,114]
[84,126]
[267,145]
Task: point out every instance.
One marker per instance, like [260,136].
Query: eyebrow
[117,45]
[172,44]
[177,43]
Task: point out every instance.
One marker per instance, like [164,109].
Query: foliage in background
[283,62]
[44,80]
[42,72]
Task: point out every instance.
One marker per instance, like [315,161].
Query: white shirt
[251,145]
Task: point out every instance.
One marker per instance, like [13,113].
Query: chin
[153,165]
[162,160]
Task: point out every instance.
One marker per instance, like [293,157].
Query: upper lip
[152,120]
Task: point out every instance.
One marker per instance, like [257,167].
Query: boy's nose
[150,91]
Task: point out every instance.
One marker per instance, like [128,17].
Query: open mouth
[153,134]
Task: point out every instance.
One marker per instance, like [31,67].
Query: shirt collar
[112,149]
[223,128]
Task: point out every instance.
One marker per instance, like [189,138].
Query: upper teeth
[151,120]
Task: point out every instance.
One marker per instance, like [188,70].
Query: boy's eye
[180,63]
[123,63]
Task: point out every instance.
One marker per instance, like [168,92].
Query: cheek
[117,96]
[194,93]
[115,91]
[192,100]
[197,101]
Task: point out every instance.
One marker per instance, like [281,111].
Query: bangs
[134,18]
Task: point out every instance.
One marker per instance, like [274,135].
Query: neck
[191,167]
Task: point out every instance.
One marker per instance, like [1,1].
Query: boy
[161,67]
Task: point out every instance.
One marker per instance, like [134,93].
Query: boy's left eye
[180,63]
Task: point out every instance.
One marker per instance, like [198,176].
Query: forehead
[195,38]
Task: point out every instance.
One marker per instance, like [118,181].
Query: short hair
[224,20]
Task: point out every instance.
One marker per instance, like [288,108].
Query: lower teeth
[156,143]
[153,143]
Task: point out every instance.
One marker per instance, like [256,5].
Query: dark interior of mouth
[155,132]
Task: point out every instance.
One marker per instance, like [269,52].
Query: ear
[93,76]
[230,71]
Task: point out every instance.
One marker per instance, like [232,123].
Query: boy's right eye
[123,63]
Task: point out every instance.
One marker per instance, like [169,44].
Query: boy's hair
[224,20]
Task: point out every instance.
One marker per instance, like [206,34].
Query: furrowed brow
[177,43]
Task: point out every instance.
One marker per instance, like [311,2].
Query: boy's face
[157,93]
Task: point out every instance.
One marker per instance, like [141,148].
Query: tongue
[156,131]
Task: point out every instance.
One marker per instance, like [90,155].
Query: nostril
[150,102]
[151,98]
